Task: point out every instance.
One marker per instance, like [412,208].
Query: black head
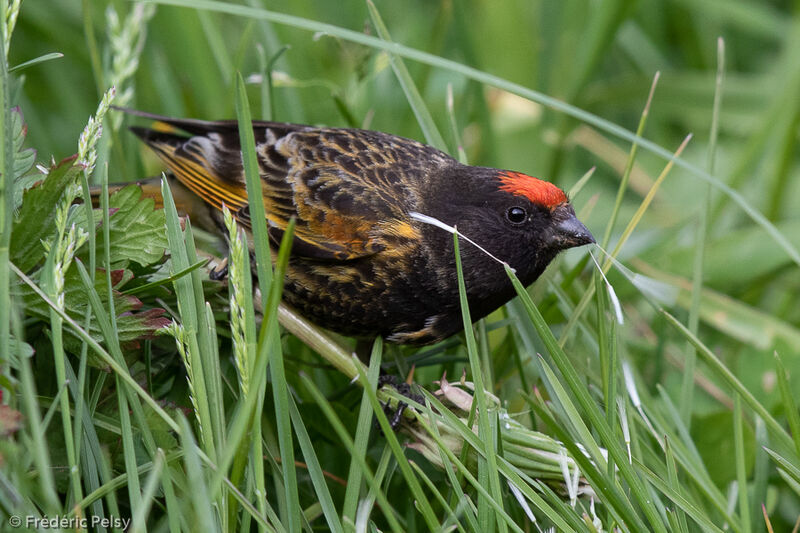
[519,219]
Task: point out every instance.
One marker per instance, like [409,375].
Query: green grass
[243,416]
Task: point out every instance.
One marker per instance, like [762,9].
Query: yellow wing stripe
[203,182]
[196,176]
[194,181]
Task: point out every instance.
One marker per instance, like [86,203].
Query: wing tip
[156,136]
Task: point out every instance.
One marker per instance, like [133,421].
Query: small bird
[363,261]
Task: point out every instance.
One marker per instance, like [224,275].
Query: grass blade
[199,494]
[35,61]
[741,472]
[327,410]
[257,215]
[269,339]
[596,418]
[789,403]
[361,440]
[138,523]
[484,429]
[626,174]
[725,373]
[688,507]
[424,118]
[402,462]
[315,470]
[7,178]
[193,323]
[687,389]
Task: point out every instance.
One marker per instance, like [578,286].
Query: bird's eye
[516,215]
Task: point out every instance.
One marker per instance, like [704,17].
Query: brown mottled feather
[341,185]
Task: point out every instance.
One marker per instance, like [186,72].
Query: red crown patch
[537,191]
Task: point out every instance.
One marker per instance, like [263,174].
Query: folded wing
[348,189]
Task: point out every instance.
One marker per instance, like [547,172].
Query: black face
[514,230]
[521,233]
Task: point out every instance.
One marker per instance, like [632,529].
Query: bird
[365,261]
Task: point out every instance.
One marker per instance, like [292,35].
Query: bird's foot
[220,271]
[404,388]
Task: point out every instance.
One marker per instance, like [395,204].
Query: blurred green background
[598,56]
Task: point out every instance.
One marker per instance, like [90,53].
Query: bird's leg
[220,271]
[405,388]
[363,350]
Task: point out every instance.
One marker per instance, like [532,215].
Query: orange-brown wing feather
[348,189]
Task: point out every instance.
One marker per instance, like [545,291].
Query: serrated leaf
[17,349]
[35,220]
[23,162]
[136,228]
[133,323]
[23,159]
[75,298]
[23,184]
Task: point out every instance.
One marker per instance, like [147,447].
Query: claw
[220,271]
[395,415]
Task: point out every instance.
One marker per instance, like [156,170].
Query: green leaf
[136,228]
[17,349]
[23,159]
[110,360]
[35,221]
[133,323]
[36,61]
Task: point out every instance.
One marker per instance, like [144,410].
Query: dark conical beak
[571,232]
